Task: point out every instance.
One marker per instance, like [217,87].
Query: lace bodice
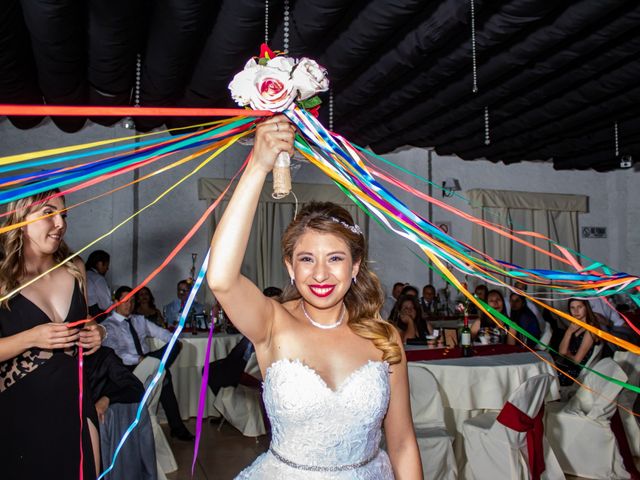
[313,425]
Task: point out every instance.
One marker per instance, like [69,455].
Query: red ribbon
[80,401]
[87,111]
[515,419]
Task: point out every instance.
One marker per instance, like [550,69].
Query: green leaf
[263,61]
[310,102]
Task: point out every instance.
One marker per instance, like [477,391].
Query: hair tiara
[354,228]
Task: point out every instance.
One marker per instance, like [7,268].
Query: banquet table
[470,386]
[421,352]
[187,369]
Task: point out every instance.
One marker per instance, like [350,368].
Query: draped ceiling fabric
[555,75]
[263,260]
[549,214]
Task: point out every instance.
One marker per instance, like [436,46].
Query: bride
[334,372]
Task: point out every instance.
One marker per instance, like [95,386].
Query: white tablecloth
[187,369]
[470,386]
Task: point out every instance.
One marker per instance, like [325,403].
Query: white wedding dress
[319,433]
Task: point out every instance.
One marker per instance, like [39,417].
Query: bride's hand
[273,136]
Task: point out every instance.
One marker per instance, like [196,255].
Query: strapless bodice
[315,426]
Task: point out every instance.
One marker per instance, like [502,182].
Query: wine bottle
[194,322]
[465,339]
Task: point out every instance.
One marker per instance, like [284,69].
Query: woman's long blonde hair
[12,263]
[365,297]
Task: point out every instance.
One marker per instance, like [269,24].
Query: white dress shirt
[172,310]
[598,305]
[120,339]
[98,291]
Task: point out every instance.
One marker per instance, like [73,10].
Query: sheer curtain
[263,260]
[550,214]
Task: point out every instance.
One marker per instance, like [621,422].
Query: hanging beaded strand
[474,67]
[128,122]
[285,41]
[487,133]
[331,109]
[615,139]
[136,97]
[266,22]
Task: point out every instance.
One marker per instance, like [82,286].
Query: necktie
[136,338]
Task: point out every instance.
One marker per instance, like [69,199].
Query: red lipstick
[322,290]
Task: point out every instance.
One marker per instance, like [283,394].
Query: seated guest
[272,292]
[391,300]
[577,344]
[480,292]
[127,335]
[611,321]
[145,305]
[407,319]
[494,300]
[111,381]
[98,291]
[429,301]
[173,309]
[608,317]
[409,290]
[531,305]
[524,317]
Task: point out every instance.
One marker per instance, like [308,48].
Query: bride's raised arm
[250,311]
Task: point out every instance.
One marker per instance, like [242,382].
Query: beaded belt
[320,468]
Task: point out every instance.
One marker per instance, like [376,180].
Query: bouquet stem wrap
[282,176]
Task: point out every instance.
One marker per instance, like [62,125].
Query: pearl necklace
[322,325]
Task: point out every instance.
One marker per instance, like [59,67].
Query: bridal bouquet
[274,82]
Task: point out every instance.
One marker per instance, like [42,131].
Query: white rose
[272,90]
[309,78]
[242,84]
[285,64]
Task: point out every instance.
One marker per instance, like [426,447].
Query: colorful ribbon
[347,166]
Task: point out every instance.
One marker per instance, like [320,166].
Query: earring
[293,280]
[355,280]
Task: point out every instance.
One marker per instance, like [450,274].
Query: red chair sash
[617,428]
[515,419]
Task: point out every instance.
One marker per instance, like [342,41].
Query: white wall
[612,199]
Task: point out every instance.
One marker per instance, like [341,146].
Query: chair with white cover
[240,406]
[568,391]
[579,431]
[511,445]
[145,371]
[545,337]
[630,363]
[592,360]
[438,459]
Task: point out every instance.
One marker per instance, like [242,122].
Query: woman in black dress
[40,427]
[577,345]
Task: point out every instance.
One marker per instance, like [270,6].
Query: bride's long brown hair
[365,297]
[12,264]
